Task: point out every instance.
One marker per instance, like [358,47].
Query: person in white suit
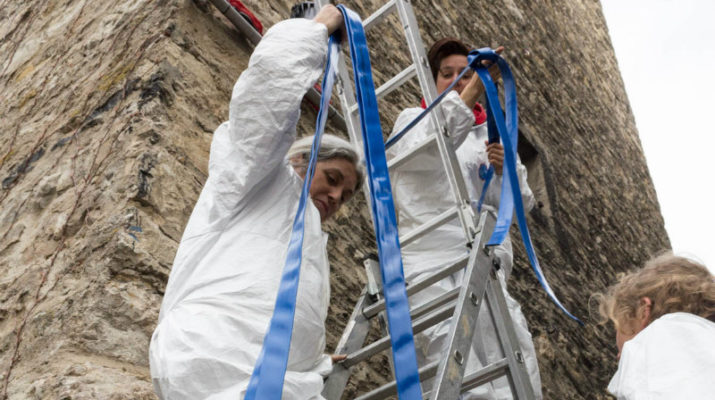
[422,192]
[664,315]
[225,277]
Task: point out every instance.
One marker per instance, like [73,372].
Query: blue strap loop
[388,244]
[269,372]
[508,129]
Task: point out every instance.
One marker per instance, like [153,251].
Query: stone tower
[106,114]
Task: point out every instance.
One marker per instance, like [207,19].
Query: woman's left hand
[495,154]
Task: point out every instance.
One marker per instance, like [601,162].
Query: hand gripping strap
[493,135]
[388,245]
[273,359]
[509,132]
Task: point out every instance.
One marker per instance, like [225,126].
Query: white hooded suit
[421,192]
[672,358]
[224,281]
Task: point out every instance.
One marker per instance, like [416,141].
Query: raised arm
[265,105]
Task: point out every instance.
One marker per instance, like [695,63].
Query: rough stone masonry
[106,115]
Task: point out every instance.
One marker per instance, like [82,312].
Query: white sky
[666,54]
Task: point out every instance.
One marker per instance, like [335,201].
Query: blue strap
[273,359]
[509,132]
[426,111]
[388,245]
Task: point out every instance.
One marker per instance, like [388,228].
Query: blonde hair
[673,283]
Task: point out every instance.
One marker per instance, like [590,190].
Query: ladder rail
[429,90]
[519,378]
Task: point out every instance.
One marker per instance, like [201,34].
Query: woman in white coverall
[224,281]
[422,192]
[664,315]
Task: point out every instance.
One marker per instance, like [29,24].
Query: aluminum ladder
[480,281]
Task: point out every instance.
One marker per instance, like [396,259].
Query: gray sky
[666,54]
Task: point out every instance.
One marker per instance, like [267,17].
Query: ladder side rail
[353,338]
[429,91]
[501,318]
[448,382]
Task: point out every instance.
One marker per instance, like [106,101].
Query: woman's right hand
[331,17]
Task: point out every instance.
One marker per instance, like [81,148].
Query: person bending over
[225,277]
[664,316]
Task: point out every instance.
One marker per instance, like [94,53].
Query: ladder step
[487,374]
[384,342]
[389,389]
[396,81]
[373,309]
[429,226]
[435,303]
[431,140]
[484,375]
[379,15]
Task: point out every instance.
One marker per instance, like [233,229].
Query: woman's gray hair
[331,147]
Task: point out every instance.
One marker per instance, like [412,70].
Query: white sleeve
[458,120]
[493,195]
[265,108]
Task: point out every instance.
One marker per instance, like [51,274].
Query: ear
[645,307]
[298,163]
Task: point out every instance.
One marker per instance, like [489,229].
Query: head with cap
[339,172]
[447,58]
[666,284]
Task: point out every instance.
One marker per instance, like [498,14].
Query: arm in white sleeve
[265,107]
[493,195]
[458,120]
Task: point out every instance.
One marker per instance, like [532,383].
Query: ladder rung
[384,342]
[379,15]
[435,303]
[403,158]
[429,226]
[413,288]
[396,81]
[426,372]
[487,374]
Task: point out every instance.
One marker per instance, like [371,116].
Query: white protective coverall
[672,358]
[421,192]
[225,277]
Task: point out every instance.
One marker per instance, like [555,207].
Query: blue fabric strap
[426,111]
[509,132]
[269,372]
[388,245]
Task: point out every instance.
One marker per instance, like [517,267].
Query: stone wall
[106,115]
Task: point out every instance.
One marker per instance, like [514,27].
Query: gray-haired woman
[224,281]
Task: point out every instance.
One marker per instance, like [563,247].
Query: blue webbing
[388,244]
[426,111]
[276,344]
[509,131]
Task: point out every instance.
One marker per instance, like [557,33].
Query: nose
[336,196]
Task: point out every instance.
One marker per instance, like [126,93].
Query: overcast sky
[666,54]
